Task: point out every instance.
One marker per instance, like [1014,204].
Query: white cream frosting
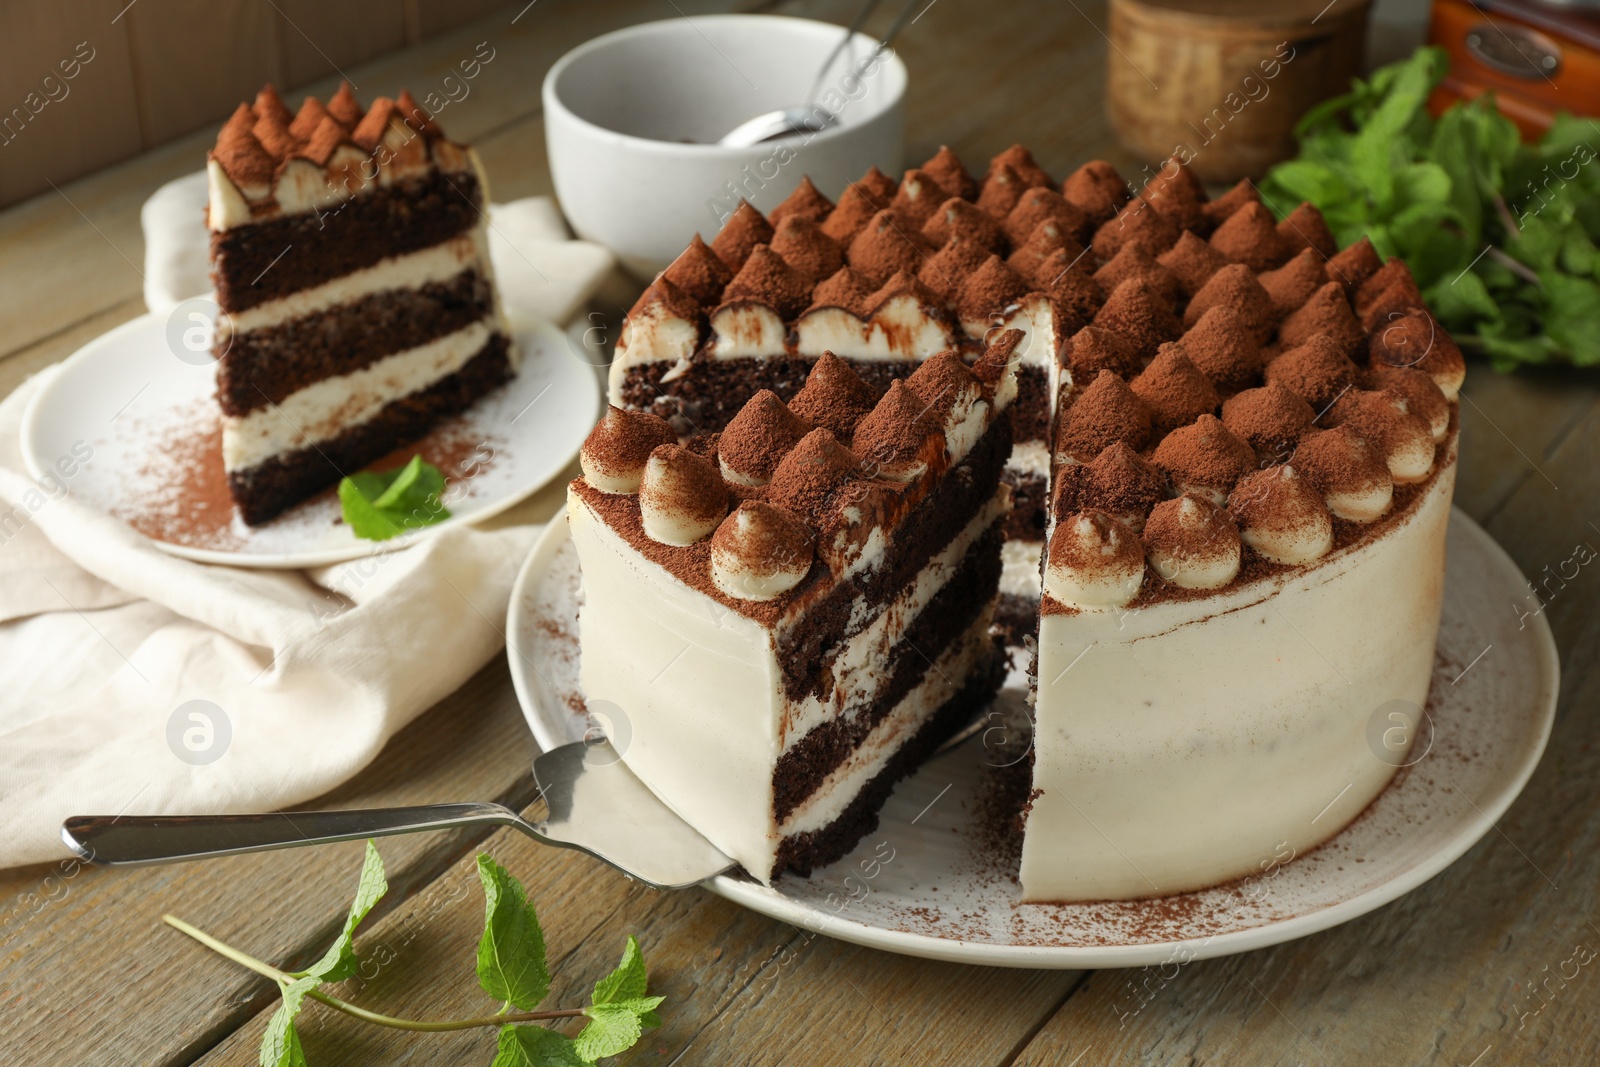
[410,271]
[1032,315]
[1178,745]
[1302,537]
[1189,569]
[663,488]
[1030,457]
[329,407]
[1110,576]
[735,574]
[1409,452]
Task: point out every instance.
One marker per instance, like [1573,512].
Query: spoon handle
[849,35]
[133,841]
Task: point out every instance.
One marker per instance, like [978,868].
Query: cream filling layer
[1036,319]
[1030,457]
[899,330]
[1019,568]
[857,670]
[411,271]
[846,781]
[327,408]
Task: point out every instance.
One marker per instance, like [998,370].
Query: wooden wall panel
[195,60]
[166,68]
[54,131]
[428,18]
[322,38]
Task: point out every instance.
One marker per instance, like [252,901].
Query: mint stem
[426,1026]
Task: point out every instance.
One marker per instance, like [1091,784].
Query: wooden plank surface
[1438,977]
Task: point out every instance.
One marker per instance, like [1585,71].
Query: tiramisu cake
[784,618]
[1237,440]
[349,257]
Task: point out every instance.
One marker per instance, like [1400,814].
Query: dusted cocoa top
[262,139]
[1147,263]
[1195,341]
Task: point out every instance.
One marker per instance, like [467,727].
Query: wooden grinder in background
[1221,83]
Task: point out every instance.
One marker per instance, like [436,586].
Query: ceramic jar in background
[1221,83]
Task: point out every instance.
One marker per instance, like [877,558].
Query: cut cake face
[785,618]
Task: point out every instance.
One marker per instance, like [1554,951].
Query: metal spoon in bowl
[809,117]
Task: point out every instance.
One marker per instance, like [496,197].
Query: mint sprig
[1501,236]
[511,968]
[511,964]
[379,505]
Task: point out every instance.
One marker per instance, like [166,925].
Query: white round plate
[928,882]
[151,421]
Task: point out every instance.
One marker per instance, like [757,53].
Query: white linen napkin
[134,682]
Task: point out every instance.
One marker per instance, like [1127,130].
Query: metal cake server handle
[596,805]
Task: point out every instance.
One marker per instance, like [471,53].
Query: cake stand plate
[149,424]
[937,878]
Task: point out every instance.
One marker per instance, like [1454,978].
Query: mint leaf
[511,958]
[620,1011]
[1572,315]
[1307,180]
[612,1029]
[396,493]
[280,1046]
[534,1046]
[628,981]
[379,505]
[339,962]
[1464,298]
[1423,183]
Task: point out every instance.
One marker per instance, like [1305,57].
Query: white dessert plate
[937,878]
[151,421]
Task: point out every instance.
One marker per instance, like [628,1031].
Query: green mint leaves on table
[379,505]
[1501,236]
[511,968]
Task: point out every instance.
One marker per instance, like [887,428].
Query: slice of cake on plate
[350,259]
[782,619]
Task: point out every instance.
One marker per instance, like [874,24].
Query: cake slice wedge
[781,620]
[350,257]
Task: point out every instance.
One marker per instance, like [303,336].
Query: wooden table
[89,975]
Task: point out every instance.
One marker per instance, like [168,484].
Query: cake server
[595,805]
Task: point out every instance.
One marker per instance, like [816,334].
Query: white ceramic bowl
[630,118]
